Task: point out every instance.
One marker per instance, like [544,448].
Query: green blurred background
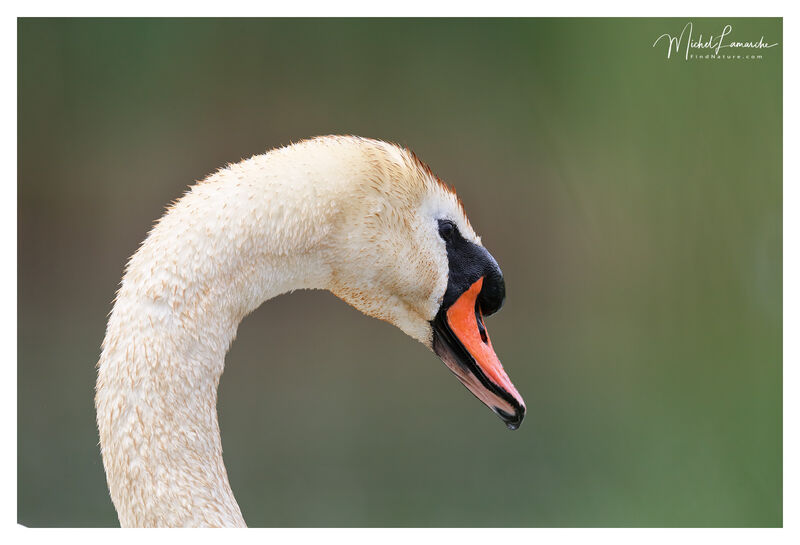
[633,202]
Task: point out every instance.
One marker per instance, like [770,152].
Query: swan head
[407,254]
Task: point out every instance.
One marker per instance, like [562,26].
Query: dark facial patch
[467,262]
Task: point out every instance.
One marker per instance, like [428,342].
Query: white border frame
[342,8]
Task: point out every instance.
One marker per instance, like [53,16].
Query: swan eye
[446,230]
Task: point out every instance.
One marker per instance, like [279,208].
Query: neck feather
[246,234]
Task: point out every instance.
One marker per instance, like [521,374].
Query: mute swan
[362,218]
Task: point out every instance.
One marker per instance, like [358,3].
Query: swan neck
[219,252]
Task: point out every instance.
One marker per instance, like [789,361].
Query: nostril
[481,327]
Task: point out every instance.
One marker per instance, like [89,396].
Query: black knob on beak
[493,294]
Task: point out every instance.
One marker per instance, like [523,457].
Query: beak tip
[512,421]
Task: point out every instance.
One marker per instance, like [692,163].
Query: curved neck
[232,242]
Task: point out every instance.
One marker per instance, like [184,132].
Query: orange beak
[461,340]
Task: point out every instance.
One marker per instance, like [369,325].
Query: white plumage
[347,214]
